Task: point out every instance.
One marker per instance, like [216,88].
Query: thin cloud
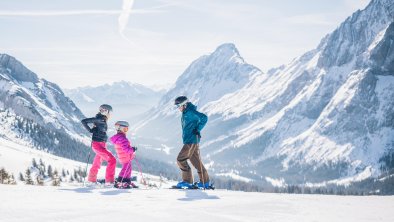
[311,19]
[74,12]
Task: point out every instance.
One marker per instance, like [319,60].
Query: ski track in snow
[33,203]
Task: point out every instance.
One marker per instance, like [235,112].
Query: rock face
[326,115]
[382,56]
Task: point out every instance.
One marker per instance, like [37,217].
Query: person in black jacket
[98,127]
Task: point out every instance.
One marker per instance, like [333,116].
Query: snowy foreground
[48,203]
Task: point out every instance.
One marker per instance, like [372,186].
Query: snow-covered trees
[6,178]
[50,139]
[41,174]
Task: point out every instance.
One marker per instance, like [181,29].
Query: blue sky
[93,42]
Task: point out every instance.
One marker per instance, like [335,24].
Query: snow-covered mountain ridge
[38,99]
[207,79]
[35,112]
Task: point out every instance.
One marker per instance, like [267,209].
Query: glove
[92,130]
[134,148]
[197,133]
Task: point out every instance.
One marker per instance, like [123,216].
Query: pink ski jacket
[122,147]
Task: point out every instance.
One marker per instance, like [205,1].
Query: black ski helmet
[180,100]
[105,107]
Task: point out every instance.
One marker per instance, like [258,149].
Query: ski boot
[205,186]
[125,185]
[184,185]
[132,185]
[109,184]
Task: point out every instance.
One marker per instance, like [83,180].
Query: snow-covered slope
[127,98]
[16,158]
[326,115]
[47,204]
[73,202]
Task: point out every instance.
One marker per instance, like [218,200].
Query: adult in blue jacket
[192,124]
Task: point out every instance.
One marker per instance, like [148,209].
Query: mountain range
[128,99]
[326,116]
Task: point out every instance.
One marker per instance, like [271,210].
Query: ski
[99,184]
[183,188]
[125,185]
[193,187]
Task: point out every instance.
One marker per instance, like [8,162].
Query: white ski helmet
[121,125]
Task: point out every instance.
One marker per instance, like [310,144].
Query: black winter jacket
[99,129]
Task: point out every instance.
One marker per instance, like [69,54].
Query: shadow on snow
[192,195]
[104,191]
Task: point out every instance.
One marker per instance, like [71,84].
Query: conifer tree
[55,178]
[50,172]
[28,179]
[12,180]
[40,180]
[42,167]
[21,178]
[4,177]
[34,163]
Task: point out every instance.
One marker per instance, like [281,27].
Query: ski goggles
[181,104]
[105,112]
[121,128]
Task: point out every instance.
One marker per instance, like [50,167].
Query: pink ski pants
[102,154]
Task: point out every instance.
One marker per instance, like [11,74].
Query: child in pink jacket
[125,154]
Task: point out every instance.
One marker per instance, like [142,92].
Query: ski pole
[139,168]
[86,169]
[199,155]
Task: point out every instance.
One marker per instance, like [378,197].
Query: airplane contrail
[124,17]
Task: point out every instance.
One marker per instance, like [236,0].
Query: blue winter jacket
[191,120]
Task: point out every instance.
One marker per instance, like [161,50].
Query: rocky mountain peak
[16,69]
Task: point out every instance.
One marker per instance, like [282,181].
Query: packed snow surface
[47,203]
